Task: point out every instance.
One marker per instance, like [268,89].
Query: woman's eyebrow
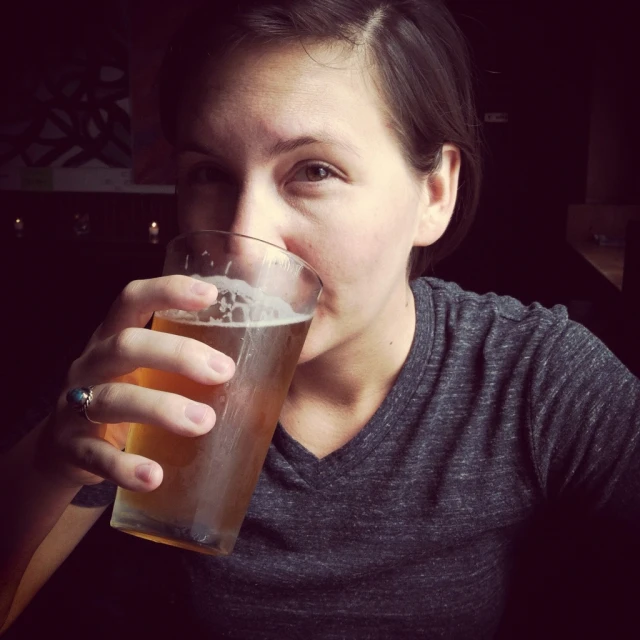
[291,144]
[278,148]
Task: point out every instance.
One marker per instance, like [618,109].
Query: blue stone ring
[79,400]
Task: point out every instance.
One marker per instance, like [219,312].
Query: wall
[65,71]
[614,132]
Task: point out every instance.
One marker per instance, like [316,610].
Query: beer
[209,480]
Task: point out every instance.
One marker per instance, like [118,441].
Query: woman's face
[292,146]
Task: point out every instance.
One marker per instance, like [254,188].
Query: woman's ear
[439,198]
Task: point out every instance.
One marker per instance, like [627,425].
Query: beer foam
[238,305]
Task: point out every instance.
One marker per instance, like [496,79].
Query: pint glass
[266,300]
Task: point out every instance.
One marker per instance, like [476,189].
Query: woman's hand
[78,452]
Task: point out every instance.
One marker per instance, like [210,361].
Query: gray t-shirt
[500,413]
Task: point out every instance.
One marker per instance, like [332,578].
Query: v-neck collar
[319,471]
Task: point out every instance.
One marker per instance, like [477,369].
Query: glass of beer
[266,300]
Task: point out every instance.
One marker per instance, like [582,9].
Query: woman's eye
[314,173]
[205,175]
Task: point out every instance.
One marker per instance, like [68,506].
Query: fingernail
[219,365]
[202,288]
[196,412]
[144,471]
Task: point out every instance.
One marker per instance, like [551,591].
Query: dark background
[564,72]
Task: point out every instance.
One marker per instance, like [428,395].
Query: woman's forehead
[286,91]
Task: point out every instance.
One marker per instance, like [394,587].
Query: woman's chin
[314,345]
[308,353]
[325,334]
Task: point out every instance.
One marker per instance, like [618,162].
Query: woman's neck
[332,397]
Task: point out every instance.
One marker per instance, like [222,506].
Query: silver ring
[79,400]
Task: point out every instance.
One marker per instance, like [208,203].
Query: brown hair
[422,63]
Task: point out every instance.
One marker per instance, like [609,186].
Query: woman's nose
[259,214]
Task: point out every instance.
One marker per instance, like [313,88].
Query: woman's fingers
[131,349]
[102,459]
[141,298]
[85,452]
[118,402]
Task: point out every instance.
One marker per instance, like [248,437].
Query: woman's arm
[72,526]
[32,504]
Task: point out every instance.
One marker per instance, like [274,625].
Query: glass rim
[296,258]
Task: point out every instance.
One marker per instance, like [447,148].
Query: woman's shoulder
[503,328]
[451,301]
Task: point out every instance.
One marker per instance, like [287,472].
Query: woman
[426,428]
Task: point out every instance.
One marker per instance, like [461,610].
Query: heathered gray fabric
[410,529]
